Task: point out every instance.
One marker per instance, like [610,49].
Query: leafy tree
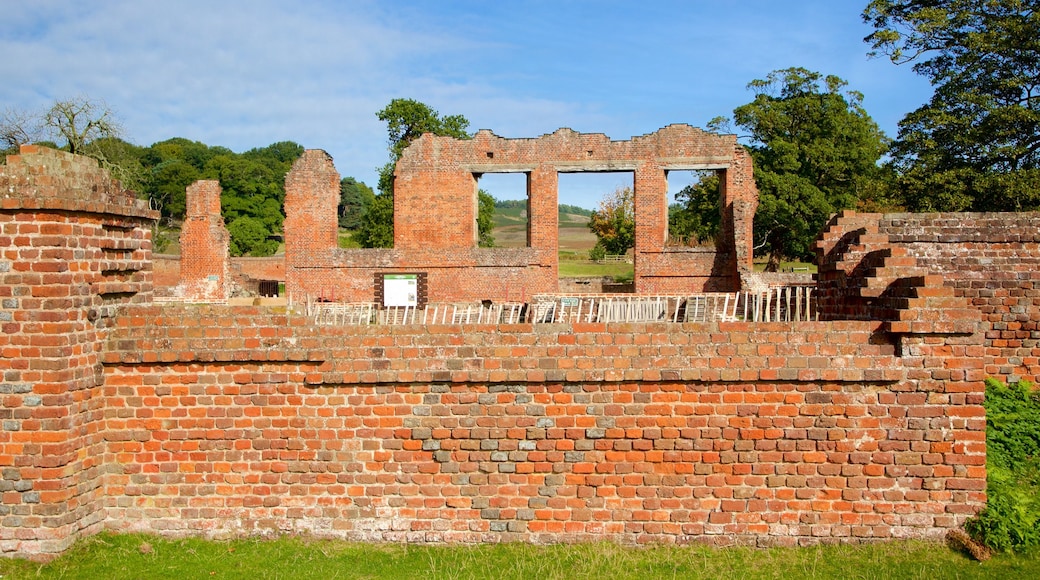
[976,144]
[485,219]
[377,224]
[614,221]
[354,199]
[815,150]
[250,236]
[695,216]
[406,120]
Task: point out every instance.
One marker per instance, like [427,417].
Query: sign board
[400,290]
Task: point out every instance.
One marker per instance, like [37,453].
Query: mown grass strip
[141,557]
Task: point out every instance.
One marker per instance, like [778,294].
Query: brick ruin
[435,216]
[120,412]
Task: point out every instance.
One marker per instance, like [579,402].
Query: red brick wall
[244,421]
[74,249]
[204,245]
[435,209]
[120,413]
[947,271]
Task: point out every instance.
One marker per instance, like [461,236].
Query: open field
[115,557]
[511,230]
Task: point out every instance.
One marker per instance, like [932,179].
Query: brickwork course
[122,413]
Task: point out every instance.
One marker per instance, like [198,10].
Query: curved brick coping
[596,352]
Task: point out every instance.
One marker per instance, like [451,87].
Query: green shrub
[598,252]
[1011,519]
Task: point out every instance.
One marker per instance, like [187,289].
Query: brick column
[311,226]
[651,215]
[204,245]
[74,248]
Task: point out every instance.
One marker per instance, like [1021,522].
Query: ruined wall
[435,211]
[972,267]
[316,267]
[204,243]
[74,249]
[120,413]
[245,420]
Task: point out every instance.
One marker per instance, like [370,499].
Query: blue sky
[246,74]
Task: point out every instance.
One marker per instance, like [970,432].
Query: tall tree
[976,144]
[485,219]
[816,151]
[406,120]
[354,200]
[614,221]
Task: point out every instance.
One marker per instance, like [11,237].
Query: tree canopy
[614,221]
[976,144]
[695,217]
[815,150]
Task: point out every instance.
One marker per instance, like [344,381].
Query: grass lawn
[142,557]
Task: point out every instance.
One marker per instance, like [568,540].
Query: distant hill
[511,226]
[509,204]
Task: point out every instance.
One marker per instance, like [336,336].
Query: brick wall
[74,248]
[947,271]
[248,421]
[435,210]
[120,413]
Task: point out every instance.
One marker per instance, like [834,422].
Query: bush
[1011,519]
[598,252]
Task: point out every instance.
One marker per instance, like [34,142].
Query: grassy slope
[138,556]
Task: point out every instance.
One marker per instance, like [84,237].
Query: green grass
[585,269]
[142,557]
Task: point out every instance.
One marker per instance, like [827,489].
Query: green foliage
[598,252]
[695,217]
[252,184]
[354,199]
[250,236]
[485,219]
[816,151]
[376,229]
[976,144]
[1011,519]
[572,209]
[406,120]
[614,223]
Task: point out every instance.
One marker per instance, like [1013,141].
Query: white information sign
[400,290]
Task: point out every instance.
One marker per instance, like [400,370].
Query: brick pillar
[74,248]
[311,226]
[204,245]
[651,214]
[739,203]
[543,216]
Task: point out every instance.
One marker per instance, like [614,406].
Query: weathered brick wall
[317,268]
[247,421]
[213,419]
[971,266]
[204,245]
[74,248]
[435,211]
